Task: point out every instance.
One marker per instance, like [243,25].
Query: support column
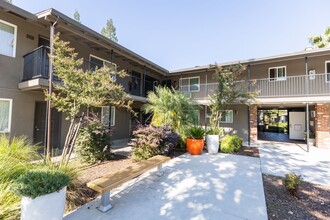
[253,120]
[50,90]
[322,125]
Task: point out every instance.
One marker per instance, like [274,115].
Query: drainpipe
[249,132]
[50,90]
[307,107]
[206,88]
[111,58]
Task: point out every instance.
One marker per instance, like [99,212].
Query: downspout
[307,107]
[249,88]
[111,58]
[206,96]
[50,90]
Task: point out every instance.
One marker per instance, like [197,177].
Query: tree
[80,90]
[170,107]
[109,31]
[320,41]
[76,16]
[229,90]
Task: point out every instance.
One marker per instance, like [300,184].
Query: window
[8,34]
[105,111]
[194,84]
[277,73]
[190,84]
[227,116]
[96,62]
[196,117]
[5,115]
[327,71]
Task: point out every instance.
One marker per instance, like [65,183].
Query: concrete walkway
[193,187]
[281,158]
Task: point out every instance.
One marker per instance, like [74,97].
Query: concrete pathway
[193,187]
[281,158]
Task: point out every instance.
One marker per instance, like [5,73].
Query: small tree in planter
[229,90]
[195,140]
[43,193]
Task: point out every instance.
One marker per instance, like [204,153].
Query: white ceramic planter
[212,143]
[50,206]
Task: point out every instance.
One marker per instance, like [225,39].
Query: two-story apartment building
[24,73]
[296,85]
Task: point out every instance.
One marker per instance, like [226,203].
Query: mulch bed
[312,201]
[248,151]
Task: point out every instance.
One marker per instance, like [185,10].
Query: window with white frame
[105,115]
[277,73]
[327,71]
[191,84]
[8,34]
[227,116]
[5,115]
[96,62]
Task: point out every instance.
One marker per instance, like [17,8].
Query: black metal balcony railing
[36,65]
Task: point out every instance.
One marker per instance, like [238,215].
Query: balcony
[292,87]
[36,74]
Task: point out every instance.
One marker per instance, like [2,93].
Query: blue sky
[179,34]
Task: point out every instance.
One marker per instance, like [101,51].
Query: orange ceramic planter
[195,146]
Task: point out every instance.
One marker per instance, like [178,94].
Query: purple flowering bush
[151,140]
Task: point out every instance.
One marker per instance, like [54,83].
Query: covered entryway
[281,124]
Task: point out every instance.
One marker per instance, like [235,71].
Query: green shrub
[151,140]
[93,141]
[16,155]
[38,182]
[196,132]
[292,182]
[231,144]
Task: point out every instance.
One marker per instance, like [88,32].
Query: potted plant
[213,140]
[43,193]
[195,140]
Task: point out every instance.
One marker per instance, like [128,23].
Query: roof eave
[53,12]
[17,11]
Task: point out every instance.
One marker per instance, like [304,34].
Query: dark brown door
[39,131]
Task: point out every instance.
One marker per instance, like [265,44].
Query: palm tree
[170,107]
